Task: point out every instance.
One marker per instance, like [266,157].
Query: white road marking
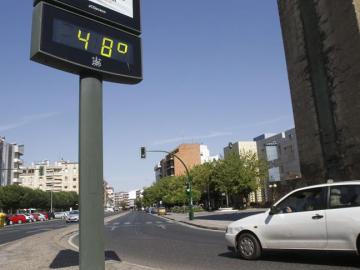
[113,228]
[116,223]
[159,222]
[127,223]
[149,222]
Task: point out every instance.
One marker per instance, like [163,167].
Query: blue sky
[214,72]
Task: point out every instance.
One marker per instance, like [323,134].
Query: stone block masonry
[322,48]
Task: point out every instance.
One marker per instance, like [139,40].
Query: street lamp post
[272,187]
[189,178]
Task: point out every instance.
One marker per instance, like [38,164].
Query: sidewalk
[217,220]
[51,250]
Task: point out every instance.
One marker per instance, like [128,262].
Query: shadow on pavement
[228,217]
[68,258]
[306,257]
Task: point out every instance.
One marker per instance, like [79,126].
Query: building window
[65,187]
[74,179]
[274,174]
[74,186]
[271,152]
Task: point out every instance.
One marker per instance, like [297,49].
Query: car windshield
[75,212]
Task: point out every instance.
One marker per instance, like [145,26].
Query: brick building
[191,154]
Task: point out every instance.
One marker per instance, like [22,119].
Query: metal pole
[91,175]
[51,200]
[191,210]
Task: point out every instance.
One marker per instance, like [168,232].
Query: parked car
[321,217]
[161,211]
[59,215]
[109,210]
[73,216]
[39,216]
[29,218]
[16,219]
[45,214]
[152,210]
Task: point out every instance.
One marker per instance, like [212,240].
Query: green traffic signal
[143,152]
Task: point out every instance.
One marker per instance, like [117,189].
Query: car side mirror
[274,210]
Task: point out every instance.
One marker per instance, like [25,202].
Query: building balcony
[18,161]
[16,181]
[17,170]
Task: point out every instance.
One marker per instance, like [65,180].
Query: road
[148,240]
[15,232]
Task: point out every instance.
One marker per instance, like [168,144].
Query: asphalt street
[15,232]
[148,240]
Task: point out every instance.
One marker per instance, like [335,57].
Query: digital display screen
[78,44]
[85,39]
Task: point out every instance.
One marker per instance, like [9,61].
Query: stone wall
[322,48]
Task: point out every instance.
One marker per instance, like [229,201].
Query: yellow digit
[85,40]
[107,45]
[122,48]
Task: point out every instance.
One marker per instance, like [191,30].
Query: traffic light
[143,152]
[187,188]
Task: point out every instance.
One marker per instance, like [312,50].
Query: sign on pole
[99,40]
[77,43]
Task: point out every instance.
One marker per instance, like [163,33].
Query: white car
[321,217]
[59,215]
[73,216]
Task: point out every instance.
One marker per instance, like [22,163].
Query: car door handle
[317,216]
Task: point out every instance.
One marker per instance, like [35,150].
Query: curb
[218,229]
[29,223]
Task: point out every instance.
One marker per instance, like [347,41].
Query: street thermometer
[100,41]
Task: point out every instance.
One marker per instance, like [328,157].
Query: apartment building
[60,176]
[121,198]
[240,147]
[281,153]
[10,162]
[109,195]
[190,154]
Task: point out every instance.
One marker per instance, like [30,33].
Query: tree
[239,174]
[138,203]
[171,191]
[123,205]
[203,179]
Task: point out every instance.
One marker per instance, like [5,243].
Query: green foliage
[240,174]
[139,203]
[171,191]
[236,175]
[15,197]
[123,205]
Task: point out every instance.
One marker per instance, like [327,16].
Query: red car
[16,219]
[45,214]
[39,217]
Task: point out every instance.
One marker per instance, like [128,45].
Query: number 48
[106,47]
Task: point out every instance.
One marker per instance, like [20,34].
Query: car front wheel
[249,247]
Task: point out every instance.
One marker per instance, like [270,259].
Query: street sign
[74,43]
[122,13]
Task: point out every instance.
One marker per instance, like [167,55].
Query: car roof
[352,182]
